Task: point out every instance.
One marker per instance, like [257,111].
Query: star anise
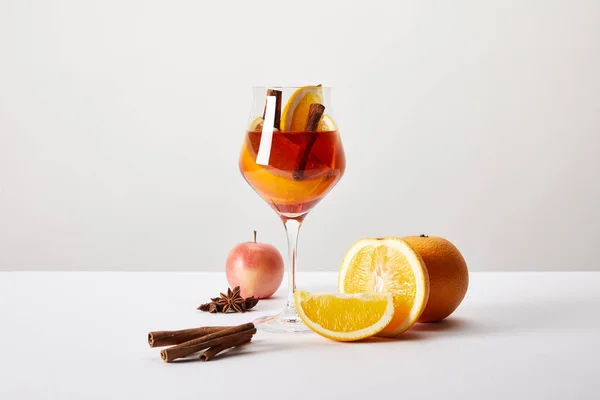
[209,307]
[232,301]
[251,302]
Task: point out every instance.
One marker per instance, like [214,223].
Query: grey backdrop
[121,124]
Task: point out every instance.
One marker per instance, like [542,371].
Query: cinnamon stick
[168,338]
[315,112]
[277,119]
[212,340]
[215,350]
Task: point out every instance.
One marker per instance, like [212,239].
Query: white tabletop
[70,335]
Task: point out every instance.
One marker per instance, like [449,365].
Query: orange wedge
[388,265]
[295,112]
[345,317]
[326,124]
[256,124]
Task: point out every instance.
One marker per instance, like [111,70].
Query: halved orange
[388,265]
[345,317]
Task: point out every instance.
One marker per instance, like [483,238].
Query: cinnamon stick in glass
[212,340]
[315,112]
[277,119]
[168,338]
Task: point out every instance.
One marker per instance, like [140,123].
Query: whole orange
[448,275]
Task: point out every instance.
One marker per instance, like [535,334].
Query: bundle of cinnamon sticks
[210,340]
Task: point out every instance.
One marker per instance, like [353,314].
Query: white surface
[121,123]
[83,336]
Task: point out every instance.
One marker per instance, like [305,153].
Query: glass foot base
[286,321]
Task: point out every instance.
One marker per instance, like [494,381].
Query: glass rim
[287,87]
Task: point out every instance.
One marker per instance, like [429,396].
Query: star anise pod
[230,301]
[219,302]
[251,302]
[209,307]
[233,300]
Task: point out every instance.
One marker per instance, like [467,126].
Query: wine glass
[292,157]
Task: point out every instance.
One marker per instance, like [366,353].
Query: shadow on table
[420,331]
[426,331]
[452,325]
[272,346]
[262,346]
[474,321]
[536,315]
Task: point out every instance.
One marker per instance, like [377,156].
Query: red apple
[257,268]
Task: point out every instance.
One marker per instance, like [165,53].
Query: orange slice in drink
[388,265]
[345,317]
[295,112]
[326,124]
[256,124]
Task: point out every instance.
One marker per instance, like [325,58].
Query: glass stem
[292,226]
